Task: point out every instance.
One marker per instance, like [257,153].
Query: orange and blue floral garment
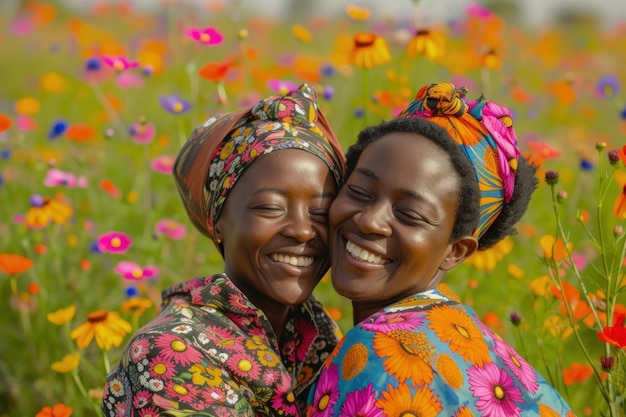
[211,352]
[429,355]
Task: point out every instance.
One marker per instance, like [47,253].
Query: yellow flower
[302,33]
[488,259]
[107,326]
[45,210]
[431,45]
[491,60]
[369,50]
[67,364]
[62,315]
[136,305]
[401,402]
[358,13]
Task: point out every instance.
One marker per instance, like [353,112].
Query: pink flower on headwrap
[498,121]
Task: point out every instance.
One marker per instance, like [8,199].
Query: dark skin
[391,223]
[274,229]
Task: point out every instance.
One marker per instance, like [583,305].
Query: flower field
[95,103]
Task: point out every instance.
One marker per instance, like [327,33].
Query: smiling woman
[247,342]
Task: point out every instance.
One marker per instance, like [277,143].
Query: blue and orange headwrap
[484,130]
[221,149]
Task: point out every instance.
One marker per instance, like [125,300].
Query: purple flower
[607,86]
[142,132]
[58,128]
[174,104]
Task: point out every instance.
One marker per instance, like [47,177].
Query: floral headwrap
[484,130]
[221,149]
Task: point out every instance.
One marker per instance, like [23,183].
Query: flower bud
[614,157]
[561,197]
[618,230]
[607,362]
[516,318]
[552,177]
[600,146]
[242,34]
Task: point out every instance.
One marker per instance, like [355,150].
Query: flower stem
[107,363]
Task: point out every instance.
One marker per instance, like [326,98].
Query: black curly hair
[468,208]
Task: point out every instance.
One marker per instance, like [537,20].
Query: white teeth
[292,260]
[363,255]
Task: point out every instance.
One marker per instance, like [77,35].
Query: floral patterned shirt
[210,352]
[429,355]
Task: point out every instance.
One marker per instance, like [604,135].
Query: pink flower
[326,390]
[281,86]
[114,242]
[207,36]
[133,272]
[476,10]
[57,178]
[142,133]
[162,164]
[119,63]
[25,123]
[128,80]
[170,229]
[494,390]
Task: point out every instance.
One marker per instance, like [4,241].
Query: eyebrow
[409,193]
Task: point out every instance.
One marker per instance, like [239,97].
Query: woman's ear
[458,250]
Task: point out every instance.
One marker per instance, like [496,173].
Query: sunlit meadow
[95,104]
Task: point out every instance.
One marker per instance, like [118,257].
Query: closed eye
[358,194]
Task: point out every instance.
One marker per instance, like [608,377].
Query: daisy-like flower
[488,259]
[401,401]
[136,306]
[142,132]
[406,355]
[244,365]
[426,43]
[394,321]
[494,390]
[57,178]
[174,104]
[162,164]
[208,36]
[369,50]
[114,242]
[520,368]
[326,394]
[170,229]
[361,403]
[607,86]
[177,349]
[108,328]
[133,272]
[45,210]
[119,63]
[282,87]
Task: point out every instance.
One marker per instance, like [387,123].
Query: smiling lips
[293,260]
[361,254]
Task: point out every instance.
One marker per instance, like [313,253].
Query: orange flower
[358,13]
[619,207]
[580,309]
[554,249]
[215,71]
[5,122]
[369,50]
[302,33]
[14,264]
[430,44]
[577,372]
[58,410]
[492,60]
[110,188]
[80,132]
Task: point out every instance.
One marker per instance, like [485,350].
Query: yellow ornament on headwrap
[484,131]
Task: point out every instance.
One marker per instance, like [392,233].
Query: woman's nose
[374,219]
[300,226]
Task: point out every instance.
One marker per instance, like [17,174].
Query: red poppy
[622,154]
[14,264]
[577,372]
[615,335]
[110,188]
[215,71]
